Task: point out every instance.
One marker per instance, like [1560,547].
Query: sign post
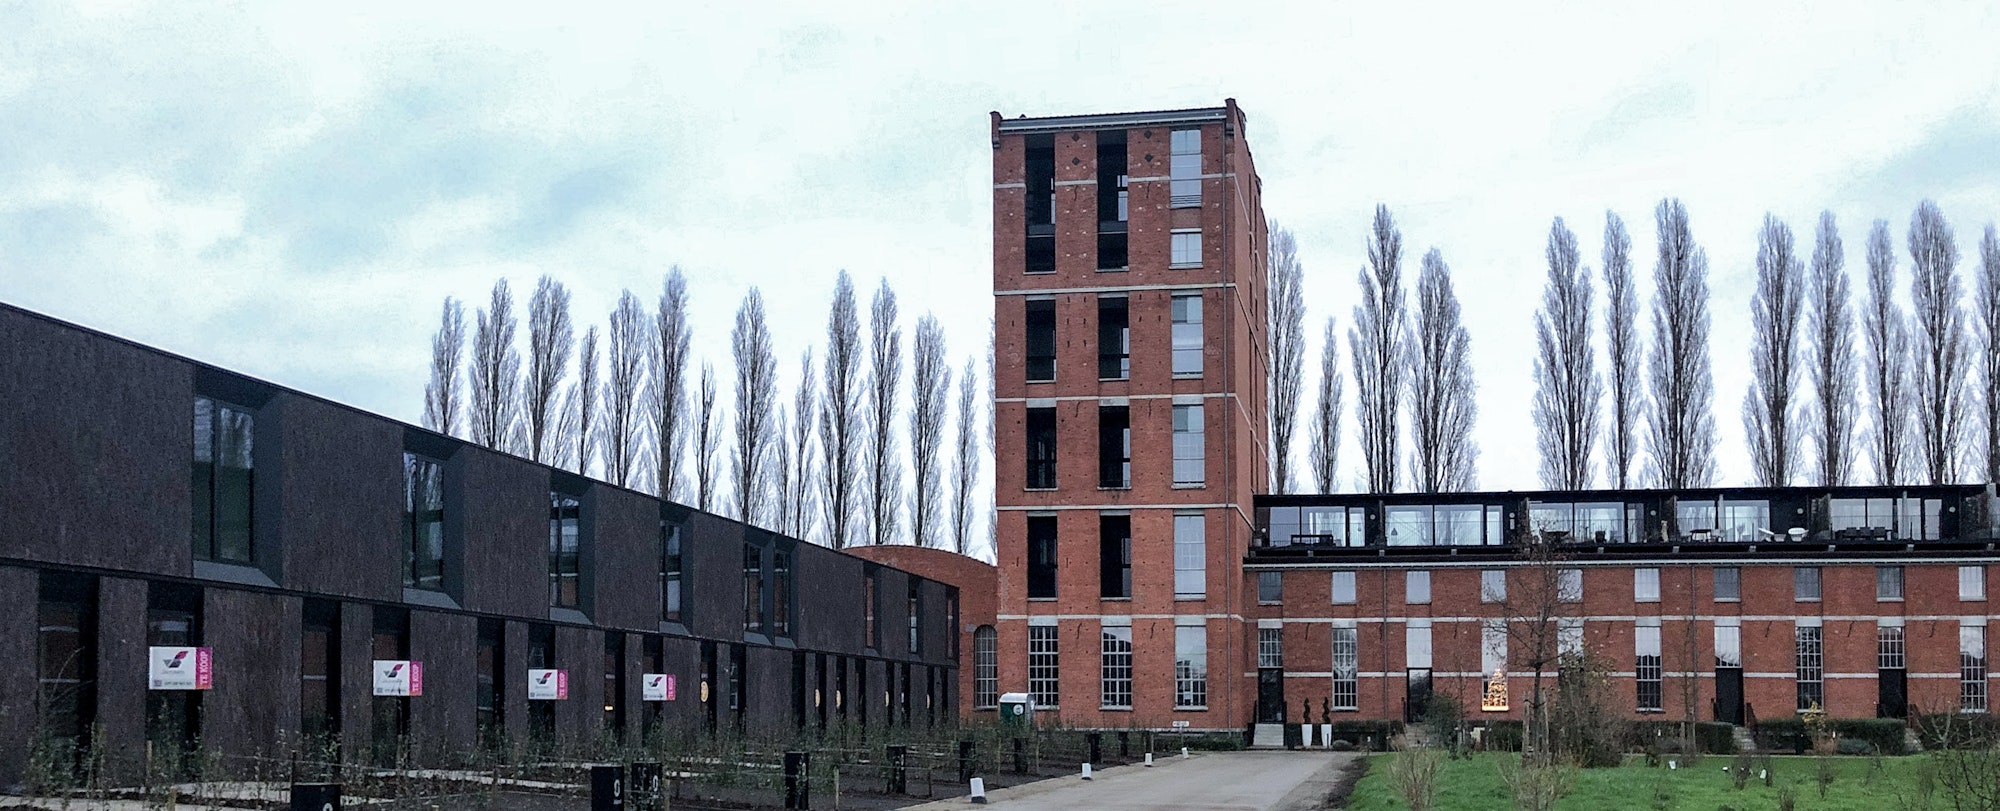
[548,684]
[180,668]
[399,677]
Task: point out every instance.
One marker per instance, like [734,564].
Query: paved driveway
[1225,781]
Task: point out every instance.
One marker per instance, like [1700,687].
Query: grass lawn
[1474,785]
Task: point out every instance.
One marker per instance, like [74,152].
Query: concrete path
[1222,781]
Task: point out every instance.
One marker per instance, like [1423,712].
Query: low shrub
[1502,736]
[1884,735]
[1958,731]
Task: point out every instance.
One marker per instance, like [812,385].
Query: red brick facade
[976,582]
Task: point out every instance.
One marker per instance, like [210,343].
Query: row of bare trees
[827,467]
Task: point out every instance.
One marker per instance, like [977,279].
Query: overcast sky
[291,193]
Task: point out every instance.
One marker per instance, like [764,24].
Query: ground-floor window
[1116,675]
[1810,669]
[1191,666]
[986,668]
[1271,648]
[1346,669]
[1889,647]
[1646,661]
[1972,668]
[1042,668]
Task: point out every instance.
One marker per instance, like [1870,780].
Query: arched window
[986,668]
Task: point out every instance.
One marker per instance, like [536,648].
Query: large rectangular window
[1646,664]
[1728,584]
[1115,677]
[1039,174]
[565,561]
[1113,202]
[1271,648]
[1493,586]
[985,668]
[1417,644]
[1346,668]
[1343,588]
[1971,583]
[1185,315]
[1805,584]
[1417,587]
[223,472]
[1114,557]
[1646,585]
[423,522]
[673,572]
[1810,668]
[1971,668]
[1190,448]
[1185,248]
[1407,525]
[66,624]
[1745,521]
[1889,647]
[1041,557]
[1190,557]
[1041,340]
[1888,583]
[1041,436]
[1569,585]
[1044,673]
[1114,338]
[781,593]
[1728,645]
[1190,666]
[1114,447]
[1185,169]
[1270,588]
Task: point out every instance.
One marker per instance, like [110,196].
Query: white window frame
[1973,689]
[1271,648]
[1736,584]
[1343,583]
[1890,647]
[986,668]
[1492,586]
[1186,334]
[1809,667]
[1972,584]
[1417,644]
[1184,248]
[1114,674]
[1184,168]
[1190,556]
[1649,692]
[1889,584]
[1569,585]
[1800,579]
[1646,585]
[1346,693]
[1190,665]
[1190,438]
[1044,666]
[1417,587]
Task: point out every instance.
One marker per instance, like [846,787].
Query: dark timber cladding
[150,500]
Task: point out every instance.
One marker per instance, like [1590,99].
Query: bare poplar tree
[496,372]
[797,501]
[1681,430]
[1830,329]
[1623,354]
[885,372]
[1987,321]
[965,459]
[1774,339]
[756,397]
[1288,352]
[1888,345]
[1379,348]
[550,341]
[1444,456]
[1939,327]
[840,415]
[1325,428]
[930,386]
[441,396]
[579,425]
[777,480]
[666,390]
[1567,387]
[625,374]
[706,435]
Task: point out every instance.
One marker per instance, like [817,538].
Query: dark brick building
[150,500]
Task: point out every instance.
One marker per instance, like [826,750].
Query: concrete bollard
[1086,771]
[1149,760]
[978,795]
[1184,753]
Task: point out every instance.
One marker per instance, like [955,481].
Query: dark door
[1729,695]
[1270,695]
[1417,695]
[708,686]
[1892,693]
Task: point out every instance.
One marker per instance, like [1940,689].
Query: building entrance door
[1270,695]
[1729,695]
[1892,696]
[1416,695]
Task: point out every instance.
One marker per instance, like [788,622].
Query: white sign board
[180,669]
[657,687]
[399,677]
[548,685]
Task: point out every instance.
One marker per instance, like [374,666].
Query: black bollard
[899,758]
[646,791]
[966,754]
[1020,757]
[315,797]
[798,783]
[1096,740]
[607,788]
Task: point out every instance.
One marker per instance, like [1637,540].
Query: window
[1114,447]
[1600,522]
[223,471]
[1270,588]
[491,682]
[66,625]
[985,668]
[1745,521]
[1458,525]
[1041,340]
[1646,650]
[1971,583]
[1114,557]
[1569,637]
[1695,516]
[1728,584]
[1417,644]
[753,589]
[1889,651]
[1407,525]
[1417,587]
[673,572]
[1043,673]
[1115,675]
[1343,588]
[423,522]
[1185,313]
[871,586]
[1888,583]
[1190,557]
[1271,648]
[916,616]
[1971,668]
[565,513]
[1185,248]
[1041,449]
[1186,169]
[1492,646]
[1810,670]
[1040,180]
[1728,645]
[781,593]
[319,670]
[1111,177]
[1041,557]
[1805,584]
[1346,668]
[614,684]
[1190,451]
[1190,667]
[1863,513]
[1646,585]
[1114,338]
[390,715]
[1569,585]
[1493,585]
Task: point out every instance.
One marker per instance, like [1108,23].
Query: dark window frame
[1114,557]
[1114,447]
[565,550]
[1043,562]
[218,525]
[1038,340]
[1042,455]
[423,524]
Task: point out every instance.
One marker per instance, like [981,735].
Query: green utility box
[1017,709]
